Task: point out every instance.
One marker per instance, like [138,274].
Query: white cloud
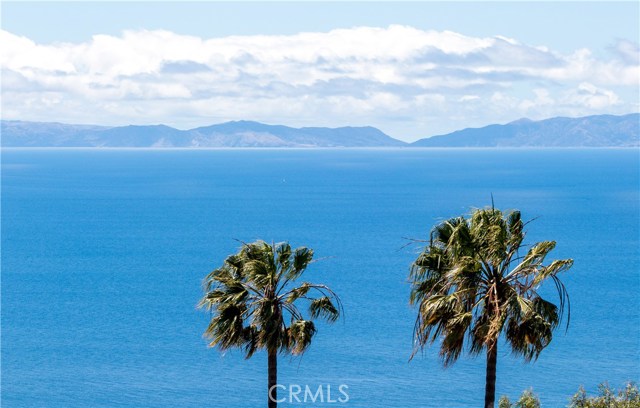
[468,98]
[542,99]
[591,96]
[387,77]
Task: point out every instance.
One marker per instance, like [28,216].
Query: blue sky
[412,69]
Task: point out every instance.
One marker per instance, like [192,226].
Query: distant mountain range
[229,134]
[590,131]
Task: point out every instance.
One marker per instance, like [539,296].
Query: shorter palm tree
[472,284]
[255,304]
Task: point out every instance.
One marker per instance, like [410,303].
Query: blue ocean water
[103,253]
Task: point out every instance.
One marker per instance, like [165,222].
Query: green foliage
[527,400]
[629,397]
[254,302]
[473,282]
[504,402]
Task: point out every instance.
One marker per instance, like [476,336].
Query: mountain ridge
[587,131]
[17,133]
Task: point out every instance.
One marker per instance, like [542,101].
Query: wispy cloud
[407,81]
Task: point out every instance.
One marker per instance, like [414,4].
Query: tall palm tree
[255,304]
[473,283]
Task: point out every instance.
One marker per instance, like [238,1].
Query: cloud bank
[409,82]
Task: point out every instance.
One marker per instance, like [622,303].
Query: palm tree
[472,284]
[255,304]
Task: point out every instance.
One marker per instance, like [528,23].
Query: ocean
[104,252]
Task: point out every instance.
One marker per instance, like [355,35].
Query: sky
[411,69]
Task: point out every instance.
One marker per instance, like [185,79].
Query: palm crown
[254,304]
[471,284]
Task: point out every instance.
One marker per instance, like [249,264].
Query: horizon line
[312,127]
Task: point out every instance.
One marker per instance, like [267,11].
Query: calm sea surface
[103,253]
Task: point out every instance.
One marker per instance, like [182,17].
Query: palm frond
[324,308]
[470,284]
[251,297]
[301,333]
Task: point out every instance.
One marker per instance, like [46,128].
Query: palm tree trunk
[490,385]
[273,379]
